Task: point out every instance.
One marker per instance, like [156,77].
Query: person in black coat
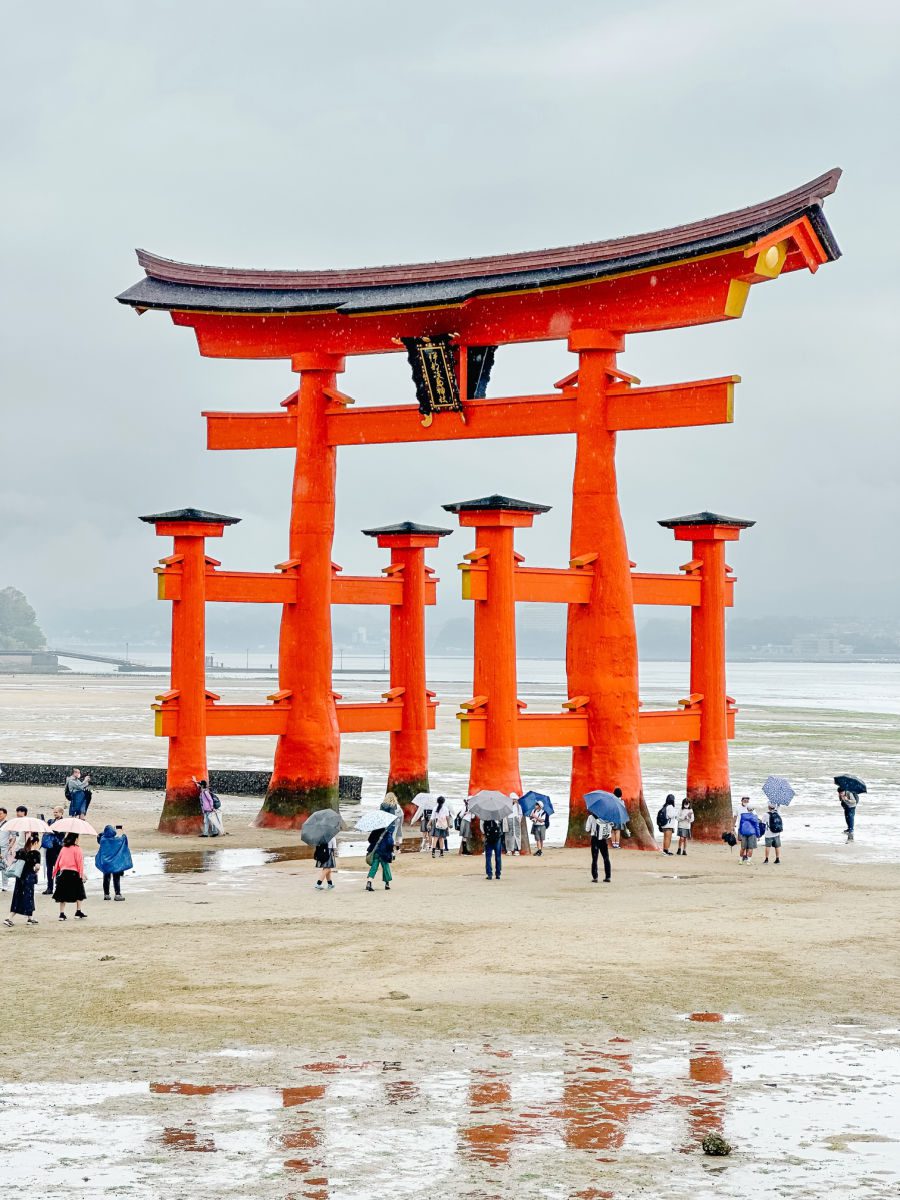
[23,893]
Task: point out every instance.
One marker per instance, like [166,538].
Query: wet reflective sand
[808,1117]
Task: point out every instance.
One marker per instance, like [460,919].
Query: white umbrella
[490,806]
[73,825]
[376,819]
[26,825]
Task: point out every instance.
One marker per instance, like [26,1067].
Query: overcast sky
[300,134]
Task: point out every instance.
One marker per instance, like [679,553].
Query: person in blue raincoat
[113,858]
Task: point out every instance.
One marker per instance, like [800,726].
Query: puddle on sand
[570,1120]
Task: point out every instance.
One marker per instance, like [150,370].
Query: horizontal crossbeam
[571,728]
[549,585]
[276,587]
[698,402]
[248,720]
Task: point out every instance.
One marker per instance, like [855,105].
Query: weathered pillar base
[181,811]
[713,815]
[287,805]
[406,791]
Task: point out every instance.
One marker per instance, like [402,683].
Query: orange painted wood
[362,589]
[377,717]
[251,587]
[549,585]
[669,725]
[677,590]
[514,416]
[702,402]
[250,431]
[670,297]
[571,729]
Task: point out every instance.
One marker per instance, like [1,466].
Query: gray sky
[309,134]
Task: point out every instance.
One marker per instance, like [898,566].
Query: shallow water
[809,1117]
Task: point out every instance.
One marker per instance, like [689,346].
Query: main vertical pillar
[601,644]
[708,777]
[407,542]
[182,579]
[490,571]
[306,771]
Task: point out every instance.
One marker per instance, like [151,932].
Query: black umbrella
[320,827]
[849,783]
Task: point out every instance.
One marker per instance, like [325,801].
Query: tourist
[51,844]
[685,821]
[391,804]
[69,877]
[539,827]
[381,854]
[463,823]
[6,836]
[212,826]
[748,827]
[513,832]
[440,823]
[773,833]
[325,853]
[78,793]
[667,819]
[616,829]
[113,859]
[426,825]
[23,892]
[492,832]
[600,832]
[849,801]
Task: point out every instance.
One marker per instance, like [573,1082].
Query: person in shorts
[773,833]
[747,827]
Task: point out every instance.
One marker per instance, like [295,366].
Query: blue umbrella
[607,807]
[778,790]
[530,799]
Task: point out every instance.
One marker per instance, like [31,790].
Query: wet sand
[537,1024]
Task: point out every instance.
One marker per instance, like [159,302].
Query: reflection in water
[494,1123]
[599,1099]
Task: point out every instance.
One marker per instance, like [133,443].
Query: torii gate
[593,296]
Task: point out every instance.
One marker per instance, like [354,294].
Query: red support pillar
[407,542]
[495,519]
[708,779]
[601,644]
[187,749]
[306,770]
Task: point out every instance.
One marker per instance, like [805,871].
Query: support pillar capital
[318,360]
[595,339]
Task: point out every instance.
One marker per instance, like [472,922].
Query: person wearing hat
[774,827]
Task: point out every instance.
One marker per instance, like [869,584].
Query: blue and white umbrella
[778,790]
[376,819]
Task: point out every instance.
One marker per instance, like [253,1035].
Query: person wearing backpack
[381,854]
[748,828]
[492,831]
[667,823]
[599,832]
[212,826]
[773,833]
[78,792]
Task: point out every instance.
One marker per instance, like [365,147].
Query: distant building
[812,646]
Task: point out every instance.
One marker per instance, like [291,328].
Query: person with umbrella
[605,812]
[68,875]
[23,892]
[51,844]
[849,790]
[539,827]
[320,831]
[380,827]
[617,828]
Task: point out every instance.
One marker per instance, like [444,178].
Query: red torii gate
[592,295]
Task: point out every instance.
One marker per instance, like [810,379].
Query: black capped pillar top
[192,516]
[407,527]
[707,518]
[495,503]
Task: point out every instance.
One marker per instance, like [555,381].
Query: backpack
[775,822]
[457,822]
[749,824]
[66,792]
[662,821]
[217,803]
[491,831]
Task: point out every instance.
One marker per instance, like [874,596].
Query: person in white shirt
[671,824]
[599,833]
[325,859]
[685,821]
